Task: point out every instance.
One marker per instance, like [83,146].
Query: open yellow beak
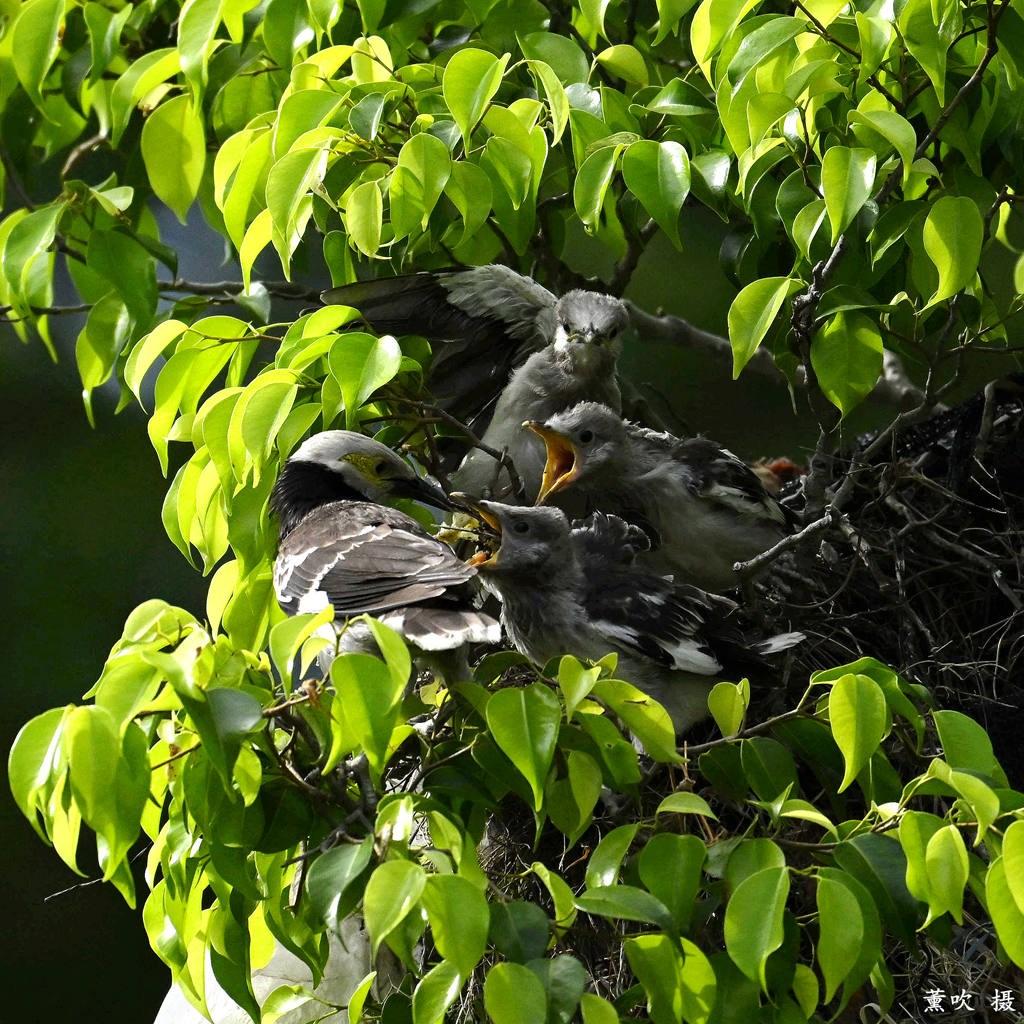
[561,468]
[483,557]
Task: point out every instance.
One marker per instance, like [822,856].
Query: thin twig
[749,568]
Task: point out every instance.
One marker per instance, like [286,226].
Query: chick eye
[586,436]
[380,467]
[521,527]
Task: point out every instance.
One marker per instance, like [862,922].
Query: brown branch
[14,178]
[624,268]
[749,568]
[673,330]
[78,152]
[279,289]
[502,456]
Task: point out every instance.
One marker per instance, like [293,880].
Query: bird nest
[926,570]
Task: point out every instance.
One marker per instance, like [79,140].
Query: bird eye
[586,436]
[380,467]
[521,527]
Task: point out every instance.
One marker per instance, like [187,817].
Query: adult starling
[576,589]
[559,351]
[703,507]
[338,545]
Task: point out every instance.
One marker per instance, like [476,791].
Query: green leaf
[570,800]
[559,52]
[752,313]
[174,151]
[627,903]
[847,355]
[554,94]
[104,34]
[670,867]
[364,215]
[288,186]
[916,830]
[469,188]
[524,724]
[596,1010]
[768,766]
[575,682]
[29,239]
[953,236]
[370,697]
[564,978]
[592,182]
[749,857]
[35,42]
[332,873]
[35,760]
[753,920]
[1004,910]
[1013,859]
[966,746]
[728,705]
[626,62]
[686,803]
[919,25]
[196,25]
[514,995]
[948,868]
[361,363]
[875,35]
[760,44]
[675,975]
[393,890]
[658,174]
[857,717]
[470,80]
[642,715]
[512,167]
[606,860]
[670,12]
[519,930]
[459,919]
[840,929]
[437,990]
[880,864]
[144,75]
[847,177]
[894,128]
[424,166]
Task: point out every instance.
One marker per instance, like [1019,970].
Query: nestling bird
[576,589]
[704,508]
[338,545]
[560,351]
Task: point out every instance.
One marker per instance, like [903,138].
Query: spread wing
[649,614]
[362,558]
[491,318]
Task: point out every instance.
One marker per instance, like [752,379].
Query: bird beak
[421,489]
[562,466]
[484,559]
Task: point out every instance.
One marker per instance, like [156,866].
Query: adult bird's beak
[562,466]
[420,488]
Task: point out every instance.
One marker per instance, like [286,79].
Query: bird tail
[779,642]
[442,629]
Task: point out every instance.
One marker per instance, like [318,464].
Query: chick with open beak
[703,508]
